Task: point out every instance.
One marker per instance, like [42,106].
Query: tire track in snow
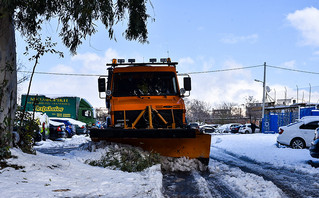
[195,184]
[292,183]
[179,184]
[218,187]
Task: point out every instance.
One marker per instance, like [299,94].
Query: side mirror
[101,84]
[187,84]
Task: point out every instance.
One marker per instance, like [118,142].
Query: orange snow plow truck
[147,109]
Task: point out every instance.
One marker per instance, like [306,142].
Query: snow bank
[68,176]
[76,140]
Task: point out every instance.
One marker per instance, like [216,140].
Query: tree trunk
[8,77]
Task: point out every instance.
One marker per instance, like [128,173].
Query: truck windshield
[144,84]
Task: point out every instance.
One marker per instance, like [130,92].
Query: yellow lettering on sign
[49,108]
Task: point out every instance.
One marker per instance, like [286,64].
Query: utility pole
[264,91]
[285,103]
[309,92]
[297,93]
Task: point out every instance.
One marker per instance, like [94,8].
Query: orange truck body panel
[168,109]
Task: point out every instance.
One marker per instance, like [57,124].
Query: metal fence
[272,121]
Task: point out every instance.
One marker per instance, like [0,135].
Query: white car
[225,128]
[246,128]
[298,135]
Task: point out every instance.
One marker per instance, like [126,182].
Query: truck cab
[134,87]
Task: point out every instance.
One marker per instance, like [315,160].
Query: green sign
[64,107]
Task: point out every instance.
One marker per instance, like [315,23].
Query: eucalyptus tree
[77,20]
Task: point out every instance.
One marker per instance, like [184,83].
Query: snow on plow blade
[167,142]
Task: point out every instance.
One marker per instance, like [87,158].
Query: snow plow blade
[167,142]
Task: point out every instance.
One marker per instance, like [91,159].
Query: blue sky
[202,36]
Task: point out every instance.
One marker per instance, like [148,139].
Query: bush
[126,158]
[4,146]
[26,130]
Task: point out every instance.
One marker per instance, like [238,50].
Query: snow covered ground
[263,148]
[256,167]
[68,176]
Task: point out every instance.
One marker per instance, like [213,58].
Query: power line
[222,70]
[61,74]
[295,70]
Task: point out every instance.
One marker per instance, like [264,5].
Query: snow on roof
[307,119]
[54,123]
[77,122]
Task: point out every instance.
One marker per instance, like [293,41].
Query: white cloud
[92,62]
[185,64]
[186,60]
[230,86]
[62,69]
[289,64]
[233,39]
[306,21]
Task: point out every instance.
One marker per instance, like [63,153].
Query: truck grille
[143,123]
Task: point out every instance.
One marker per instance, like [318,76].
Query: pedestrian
[253,127]
[43,131]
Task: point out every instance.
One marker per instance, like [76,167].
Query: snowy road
[240,170]
[292,183]
[240,166]
[195,184]
[272,181]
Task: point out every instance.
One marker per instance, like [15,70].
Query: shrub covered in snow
[125,158]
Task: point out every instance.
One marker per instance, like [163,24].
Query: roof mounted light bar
[131,62]
[120,60]
[153,60]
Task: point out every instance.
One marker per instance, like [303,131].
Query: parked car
[235,128]
[314,148]
[193,125]
[225,128]
[69,127]
[207,128]
[57,130]
[80,127]
[246,128]
[27,125]
[298,135]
